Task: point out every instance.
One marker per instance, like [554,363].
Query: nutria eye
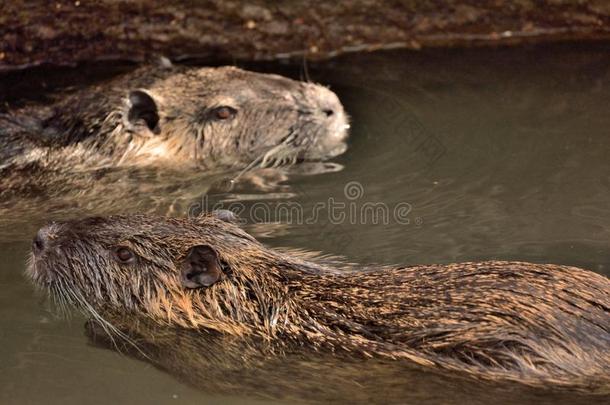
[224,112]
[124,255]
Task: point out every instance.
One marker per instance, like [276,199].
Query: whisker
[109,328]
[306,70]
[269,157]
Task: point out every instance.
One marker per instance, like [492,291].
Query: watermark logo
[351,208]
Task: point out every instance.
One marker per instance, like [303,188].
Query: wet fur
[540,325]
[91,128]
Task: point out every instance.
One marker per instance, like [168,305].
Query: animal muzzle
[331,120]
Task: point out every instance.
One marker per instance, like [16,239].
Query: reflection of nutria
[541,325]
[202,117]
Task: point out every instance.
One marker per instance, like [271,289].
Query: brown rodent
[178,116]
[537,324]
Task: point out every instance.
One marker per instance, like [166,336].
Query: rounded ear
[143,108]
[200,268]
[226,216]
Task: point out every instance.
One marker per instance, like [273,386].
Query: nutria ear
[201,267]
[144,108]
[226,216]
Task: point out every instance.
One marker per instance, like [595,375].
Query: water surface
[493,153]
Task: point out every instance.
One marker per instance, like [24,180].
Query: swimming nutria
[203,117]
[537,324]
[156,132]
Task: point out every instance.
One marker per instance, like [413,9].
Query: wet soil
[64,32]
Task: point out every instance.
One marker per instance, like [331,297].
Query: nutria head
[204,116]
[196,273]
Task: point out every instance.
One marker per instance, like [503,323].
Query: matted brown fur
[177,117]
[537,324]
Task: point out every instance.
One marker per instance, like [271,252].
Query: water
[491,153]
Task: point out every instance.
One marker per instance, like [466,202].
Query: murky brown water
[471,155]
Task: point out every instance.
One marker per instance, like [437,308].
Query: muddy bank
[67,32]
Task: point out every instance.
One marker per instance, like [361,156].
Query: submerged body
[220,364]
[540,325]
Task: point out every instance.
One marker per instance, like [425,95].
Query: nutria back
[537,324]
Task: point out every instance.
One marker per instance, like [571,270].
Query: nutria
[159,135]
[178,116]
[540,325]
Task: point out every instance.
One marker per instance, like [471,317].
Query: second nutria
[537,324]
[158,135]
[202,117]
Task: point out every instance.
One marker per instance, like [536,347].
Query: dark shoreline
[70,32]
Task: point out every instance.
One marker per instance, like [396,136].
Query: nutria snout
[537,324]
[204,117]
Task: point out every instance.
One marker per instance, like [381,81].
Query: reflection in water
[217,364]
[107,191]
[134,190]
